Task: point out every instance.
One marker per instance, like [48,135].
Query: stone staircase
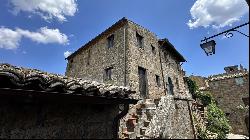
[134,125]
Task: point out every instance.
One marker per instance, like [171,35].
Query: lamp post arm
[241,33]
[227,31]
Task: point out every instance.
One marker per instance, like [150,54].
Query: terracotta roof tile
[32,79]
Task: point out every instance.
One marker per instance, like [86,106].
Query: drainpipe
[117,120]
[124,45]
[162,71]
[191,118]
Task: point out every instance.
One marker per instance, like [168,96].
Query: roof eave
[179,56]
[118,23]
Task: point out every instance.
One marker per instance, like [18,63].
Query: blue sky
[36,35]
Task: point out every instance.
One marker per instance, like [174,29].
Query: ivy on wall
[218,125]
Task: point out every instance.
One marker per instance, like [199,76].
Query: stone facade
[20,120]
[125,57]
[37,104]
[137,51]
[231,91]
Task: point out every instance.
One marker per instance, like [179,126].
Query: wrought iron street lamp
[209,47]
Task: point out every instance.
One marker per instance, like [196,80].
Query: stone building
[40,105]
[127,54]
[231,92]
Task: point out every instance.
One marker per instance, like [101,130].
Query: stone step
[142,130]
[146,123]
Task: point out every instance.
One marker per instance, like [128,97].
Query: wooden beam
[44,96]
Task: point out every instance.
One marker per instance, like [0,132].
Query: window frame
[153,49]
[111,39]
[108,73]
[157,80]
[139,40]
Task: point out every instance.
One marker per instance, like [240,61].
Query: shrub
[217,122]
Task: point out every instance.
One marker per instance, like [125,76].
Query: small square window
[108,74]
[239,81]
[110,41]
[153,49]
[139,40]
[157,78]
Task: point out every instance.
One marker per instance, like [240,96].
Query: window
[139,40]
[239,81]
[88,58]
[143,84]
[108,73]
[170,86]
[153,49]
[177,83]
[70,63]
[157,78]
[166,57]
[110,41]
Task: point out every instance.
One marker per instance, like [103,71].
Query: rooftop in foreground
[20,81]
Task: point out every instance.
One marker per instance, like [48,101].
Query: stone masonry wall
[171,68]
[52,120]
[100,58]
[125,72]
[168,119]
[145,58]
[229,95]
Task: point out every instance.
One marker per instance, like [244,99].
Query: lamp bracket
[228,33]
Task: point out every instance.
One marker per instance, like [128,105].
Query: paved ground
[236,136]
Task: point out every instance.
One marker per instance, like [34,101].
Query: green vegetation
[217,122]
[218,125]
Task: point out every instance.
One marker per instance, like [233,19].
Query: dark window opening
[142,82]
[153,49]
[227,114]
[88,59]
[70,63]
[139,40]
[177,83]
[108,74]
[157,78]
[166,57]
[170,86]
[110,41]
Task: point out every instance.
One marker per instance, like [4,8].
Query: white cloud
[9,39]
[216,13]
[45,35]
[67,53]
[47,9]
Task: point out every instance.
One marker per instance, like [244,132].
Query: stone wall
[144,57]
[229,92]
[172,69]
[125,58]
[28,120]
[166,119]
[100,57]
